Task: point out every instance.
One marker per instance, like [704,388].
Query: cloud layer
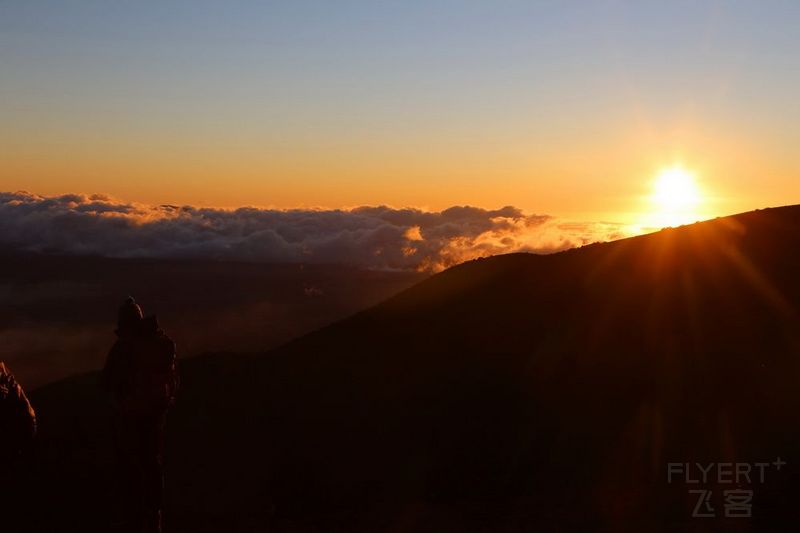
[372,237]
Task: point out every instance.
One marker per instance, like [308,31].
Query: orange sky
[555,109]
[592,178]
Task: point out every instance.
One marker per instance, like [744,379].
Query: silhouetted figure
[141,380]
[17,418]
[17,429]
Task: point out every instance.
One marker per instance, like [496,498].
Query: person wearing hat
[140,379]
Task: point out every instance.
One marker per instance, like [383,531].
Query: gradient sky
[567,108]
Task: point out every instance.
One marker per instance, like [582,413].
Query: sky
[555,107]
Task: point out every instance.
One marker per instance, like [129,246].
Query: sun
[675,189]
[676,198]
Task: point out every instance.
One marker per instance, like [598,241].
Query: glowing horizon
[563,109]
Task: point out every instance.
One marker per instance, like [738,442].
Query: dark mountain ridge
[514,393]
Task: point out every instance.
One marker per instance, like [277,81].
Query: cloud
[373,237]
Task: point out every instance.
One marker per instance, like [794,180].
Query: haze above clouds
[371,237]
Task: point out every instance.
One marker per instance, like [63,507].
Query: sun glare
[676,198]
[675,190]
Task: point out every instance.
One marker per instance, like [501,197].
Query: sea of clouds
[372,237]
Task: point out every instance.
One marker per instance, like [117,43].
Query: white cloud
[373,237]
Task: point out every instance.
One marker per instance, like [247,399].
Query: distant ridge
[514,393]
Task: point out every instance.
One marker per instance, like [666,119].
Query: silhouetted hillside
[516,393]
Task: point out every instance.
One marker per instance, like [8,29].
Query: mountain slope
[513,393]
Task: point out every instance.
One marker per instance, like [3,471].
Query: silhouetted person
[17,418]
[17,429]
[141,380]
